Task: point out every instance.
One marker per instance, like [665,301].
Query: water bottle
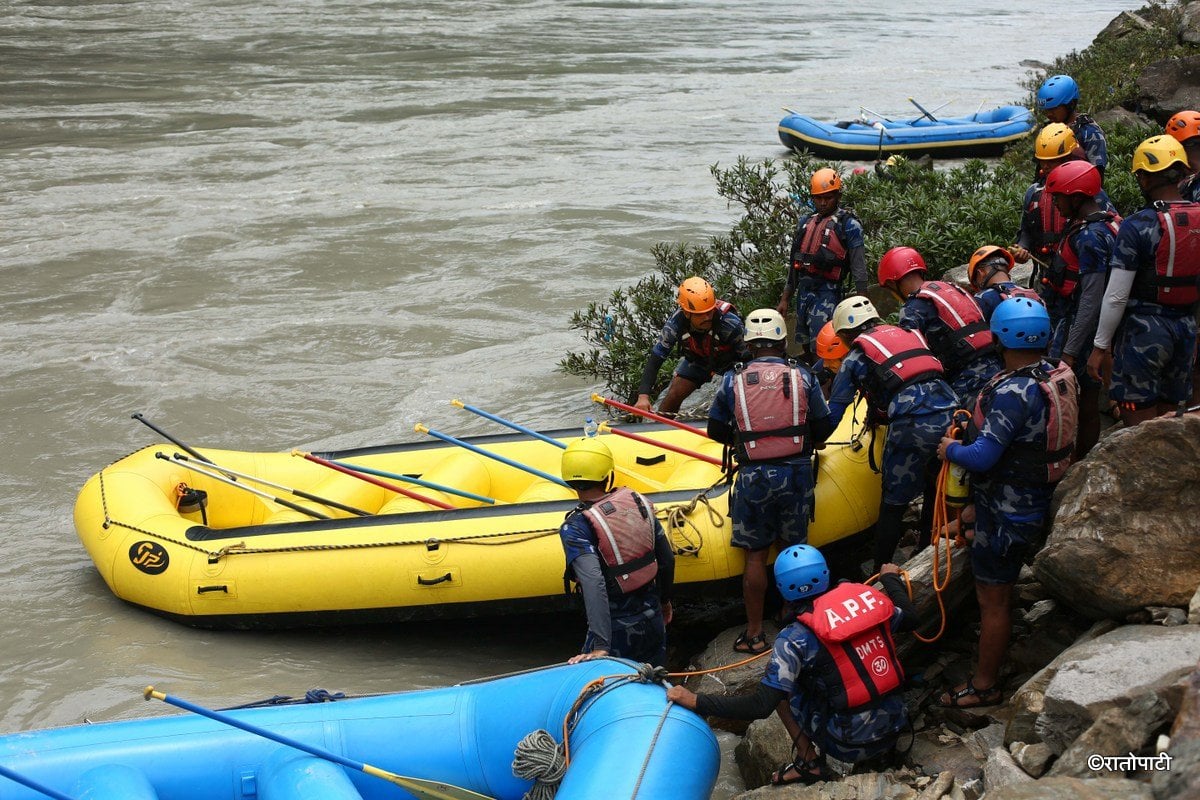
[590,428]
[609,326]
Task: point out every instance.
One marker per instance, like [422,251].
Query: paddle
[508,424]
[418,787]
[389,486]
[419,428]
[418,481]
[218,477]
[604,426]
[924,113]
[170,438]
[17,777]
[617,404]
[298,493]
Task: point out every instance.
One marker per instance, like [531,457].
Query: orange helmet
[696,296]
[986,262]
[830,348]
[898,262]
[1184,125]
[825,181]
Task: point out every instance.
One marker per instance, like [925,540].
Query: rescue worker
[826,248]
[948,317]
[1078,274]
[708,333]
[908,395]
[620,558]
[1146,337]
[989,271]
[830,352]
[1019,442]
[772,412]
[1057,98]
[834,677]
[1185,127]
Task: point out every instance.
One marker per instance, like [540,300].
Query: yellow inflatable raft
[214,545]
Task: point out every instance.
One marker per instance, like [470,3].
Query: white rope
[541,759]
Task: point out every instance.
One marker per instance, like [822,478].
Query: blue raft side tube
[463,735]
[292,775]
[114,782]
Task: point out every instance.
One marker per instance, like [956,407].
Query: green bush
[945,214]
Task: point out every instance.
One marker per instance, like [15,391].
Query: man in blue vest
[834,677]
[620,557]
[772,412]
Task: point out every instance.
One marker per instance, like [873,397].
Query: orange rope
[734,665]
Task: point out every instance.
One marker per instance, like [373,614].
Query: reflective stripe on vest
[771,410]
[958,311]
[1052,222]
[853,623]
[822,251]
[1029,462]
[1175,279]
[623,522]
[898,359]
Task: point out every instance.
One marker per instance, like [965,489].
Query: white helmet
[765,323]
[852,313]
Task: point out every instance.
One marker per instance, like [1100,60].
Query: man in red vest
[834,676]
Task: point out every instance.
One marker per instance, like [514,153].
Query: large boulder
[1125,534]
[1166,86]
[1182,780]
[1114,671]
[1062,788]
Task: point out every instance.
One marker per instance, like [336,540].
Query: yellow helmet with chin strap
[587,459]
[1055,141]
[1157,153]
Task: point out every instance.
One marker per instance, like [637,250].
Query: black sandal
[991,696]
[751,645]
[804,773]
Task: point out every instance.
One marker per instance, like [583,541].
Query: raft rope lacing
[544,761]
[676,519]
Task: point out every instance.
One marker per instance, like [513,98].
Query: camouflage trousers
[852,736]
[1153,358]
[815,301]
[970,380]
[640,637]
[1009,524]
[909,452]
[771,502]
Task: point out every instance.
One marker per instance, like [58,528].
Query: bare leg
[754,590]
[995,628]
[677,392]
[1089,421]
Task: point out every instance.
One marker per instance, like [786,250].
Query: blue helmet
[801,572]
[1021,324]
[1058,90]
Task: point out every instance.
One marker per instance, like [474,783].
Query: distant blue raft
[986,133]
[625,742]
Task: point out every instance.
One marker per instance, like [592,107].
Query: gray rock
[1033,758]
[1062,788]
[1002,770]
[1193,616]
[1182,780]
[1189,25]
[1117,544]
[1166,86]
[1110,672]
[1116,731]
[936,755]
[737,681]
[766,745]
[868,786]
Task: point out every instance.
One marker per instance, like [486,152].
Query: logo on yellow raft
[150,557]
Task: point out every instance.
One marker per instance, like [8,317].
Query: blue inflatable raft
[985,133]
[625,741]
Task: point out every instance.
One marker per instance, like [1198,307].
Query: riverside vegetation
[945,214]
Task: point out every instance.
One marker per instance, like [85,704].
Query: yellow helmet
[587,459]
[1157,153]
[1055,141]
[696,296]
[825,181]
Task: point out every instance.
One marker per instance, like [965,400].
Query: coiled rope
[677,521]
[544,761]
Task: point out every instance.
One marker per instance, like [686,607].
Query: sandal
[992,696]
[752,645]
[804,773]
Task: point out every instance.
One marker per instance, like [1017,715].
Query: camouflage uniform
[772,501]
[1091,138]
[1011,509]
[634,621]
[918,417]
[851,735]
[1155,344]
[919,314]
[1093,245]
[814,296]
[994,295]
[724,344]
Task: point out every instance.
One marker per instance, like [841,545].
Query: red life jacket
[898,358]
[822,251]
[1063,275]
[853,623]
[969,332]
[1175,279]
[623,522]
[1052,223]
[704,348]
[771,410]
[1017,291]
[1044,462]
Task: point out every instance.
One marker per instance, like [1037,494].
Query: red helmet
[1074,177]
[898,262]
